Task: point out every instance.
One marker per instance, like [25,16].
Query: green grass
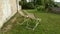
[50,24]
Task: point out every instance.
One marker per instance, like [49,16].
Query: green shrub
[27,5]
[41,8]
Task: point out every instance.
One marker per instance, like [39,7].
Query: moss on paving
[50,24]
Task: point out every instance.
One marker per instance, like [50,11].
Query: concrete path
[30,15]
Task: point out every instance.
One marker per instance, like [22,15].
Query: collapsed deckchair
[29,17]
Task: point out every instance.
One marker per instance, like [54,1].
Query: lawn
[50,24]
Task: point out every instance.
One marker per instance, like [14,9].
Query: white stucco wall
[7,9]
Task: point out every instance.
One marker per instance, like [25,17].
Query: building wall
[7,9]
[1,12]
[13,6]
